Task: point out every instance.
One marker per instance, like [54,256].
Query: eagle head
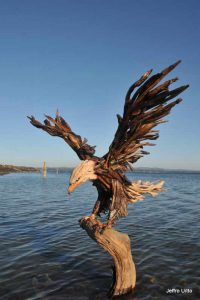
[83,172]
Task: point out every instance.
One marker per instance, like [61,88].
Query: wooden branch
[118,245]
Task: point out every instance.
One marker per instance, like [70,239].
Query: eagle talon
[93,216]
[109,224]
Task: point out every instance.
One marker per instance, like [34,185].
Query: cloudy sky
[81,56]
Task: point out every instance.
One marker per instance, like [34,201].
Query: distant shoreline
[7,169]
[162,170]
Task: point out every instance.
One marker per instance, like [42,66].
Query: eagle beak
[72,187]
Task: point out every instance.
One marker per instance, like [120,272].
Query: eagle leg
[95,210]
[112,217]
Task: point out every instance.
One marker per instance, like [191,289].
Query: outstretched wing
[59,127]
[143,110]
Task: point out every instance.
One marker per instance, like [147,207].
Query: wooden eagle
[144,109]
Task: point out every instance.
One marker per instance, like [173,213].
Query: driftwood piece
[118,245]
[144,109]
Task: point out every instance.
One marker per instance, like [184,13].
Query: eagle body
[114,189]
[144,109]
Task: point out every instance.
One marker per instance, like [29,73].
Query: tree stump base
[118,245]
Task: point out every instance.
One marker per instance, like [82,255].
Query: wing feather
[143,111]
[59,127]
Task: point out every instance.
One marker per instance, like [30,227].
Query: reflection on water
[44,254]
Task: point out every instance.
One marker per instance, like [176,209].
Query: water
[44,254]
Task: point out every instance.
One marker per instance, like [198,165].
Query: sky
[81,56]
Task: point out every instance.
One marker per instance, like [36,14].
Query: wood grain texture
[147,102]
[118,246]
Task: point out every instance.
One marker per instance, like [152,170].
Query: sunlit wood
[144,109]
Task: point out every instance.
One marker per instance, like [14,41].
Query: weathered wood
[118,245]
[144,109]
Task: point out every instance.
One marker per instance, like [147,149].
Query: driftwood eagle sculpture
[144,109]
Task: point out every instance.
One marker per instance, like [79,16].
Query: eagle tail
[137,189]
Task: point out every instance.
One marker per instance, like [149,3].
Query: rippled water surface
[44,254]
